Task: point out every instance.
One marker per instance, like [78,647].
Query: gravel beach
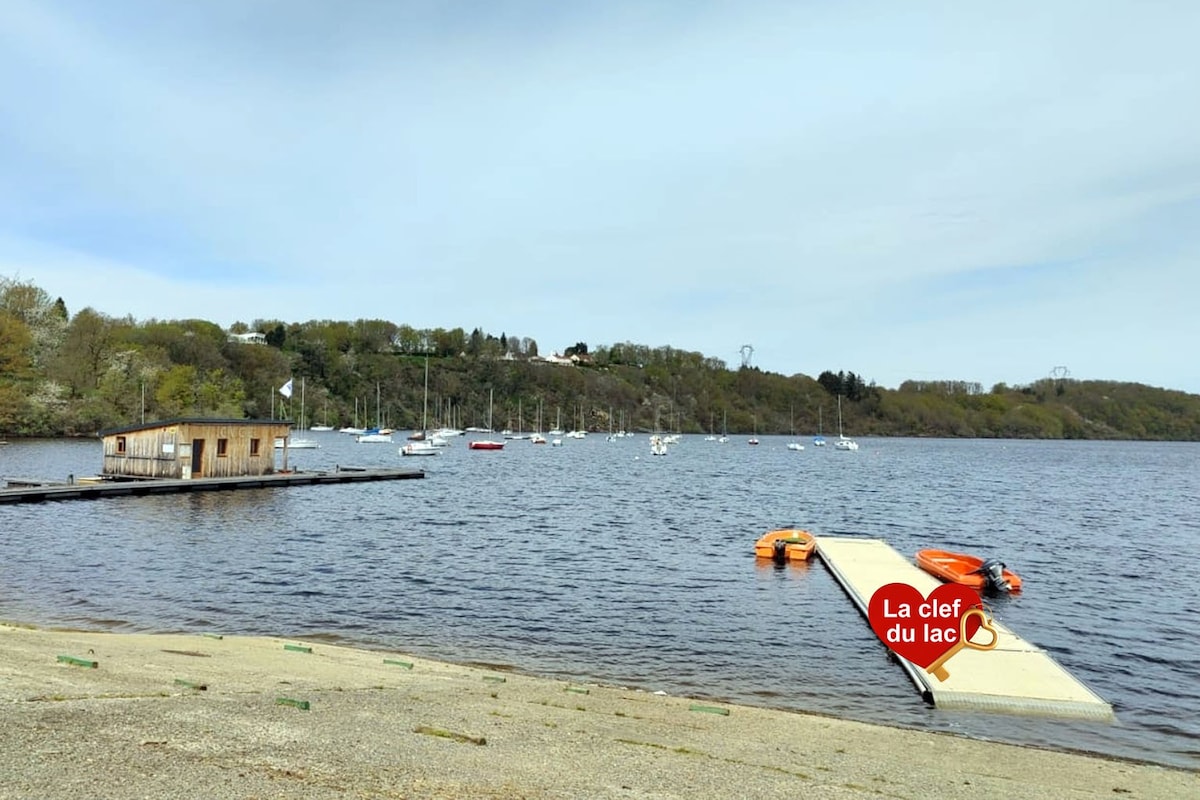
[165,716]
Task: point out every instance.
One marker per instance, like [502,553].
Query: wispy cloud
[893,190]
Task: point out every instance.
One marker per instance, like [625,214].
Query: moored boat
[788,544]
[419,449]
[485,444]
[968,570]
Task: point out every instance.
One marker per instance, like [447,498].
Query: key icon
[938,668]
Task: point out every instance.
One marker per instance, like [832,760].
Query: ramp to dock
[1015,677]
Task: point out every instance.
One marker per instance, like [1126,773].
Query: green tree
[16,341]
[176,391]
[83,356]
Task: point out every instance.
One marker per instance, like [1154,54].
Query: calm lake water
[596,561]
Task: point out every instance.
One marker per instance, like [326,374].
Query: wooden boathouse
[187,448]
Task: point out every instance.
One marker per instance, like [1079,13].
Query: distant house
[248,338]
[555,358]
[193,448]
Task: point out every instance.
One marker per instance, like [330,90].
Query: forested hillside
[73,374]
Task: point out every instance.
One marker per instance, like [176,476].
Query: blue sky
[925,190]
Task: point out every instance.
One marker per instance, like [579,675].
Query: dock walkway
[23,490]
[1016,676]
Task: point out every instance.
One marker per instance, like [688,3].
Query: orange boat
[790,544]
[969,570]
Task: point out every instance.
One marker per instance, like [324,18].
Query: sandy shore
[163,716]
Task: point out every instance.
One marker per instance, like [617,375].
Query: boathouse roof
[166,423]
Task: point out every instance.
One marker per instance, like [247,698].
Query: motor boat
[787,544]
[968,570]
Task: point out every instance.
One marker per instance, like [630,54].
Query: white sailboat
[298,442]
[536,437]
[378,435]
[794,445]
[842,442]
[354,430]
[325,426]
[819,439]
[520,434]
[558,431]
[424,446]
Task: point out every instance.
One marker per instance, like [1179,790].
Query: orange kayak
[969,570]
[790,544]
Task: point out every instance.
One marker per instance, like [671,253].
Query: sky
[907,191]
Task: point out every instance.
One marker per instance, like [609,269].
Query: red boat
[969,570]
[790,544]
[485,444]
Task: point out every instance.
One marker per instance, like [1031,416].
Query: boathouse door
[197,457]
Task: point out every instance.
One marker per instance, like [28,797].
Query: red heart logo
[921,628]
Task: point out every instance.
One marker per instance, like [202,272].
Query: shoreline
[293,717]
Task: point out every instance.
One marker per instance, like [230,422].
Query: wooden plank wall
[166,452]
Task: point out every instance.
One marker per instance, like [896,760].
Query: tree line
[64,374]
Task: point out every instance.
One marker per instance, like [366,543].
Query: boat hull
[961,568]
[789,544]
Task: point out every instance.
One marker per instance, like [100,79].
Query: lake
[596,561]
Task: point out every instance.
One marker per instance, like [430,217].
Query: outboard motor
[993,575]
[779,551]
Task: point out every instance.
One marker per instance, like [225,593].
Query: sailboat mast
[425,402]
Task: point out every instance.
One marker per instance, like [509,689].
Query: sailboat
[298,443]
[520,434]
[842,442]
[724,430]
[324,426]
[558,431]
[712,436]
[794,445]
[486,444]
[354,430]
[423,446]
[378,435]
[754,436]
[819,440]
[536,437]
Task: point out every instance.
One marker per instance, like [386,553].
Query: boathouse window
[120,445]
[222,447]
[254,447]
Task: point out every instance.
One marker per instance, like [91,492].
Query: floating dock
[1015,677]
[24,490]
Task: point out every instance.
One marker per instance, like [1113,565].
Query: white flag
[286,389]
